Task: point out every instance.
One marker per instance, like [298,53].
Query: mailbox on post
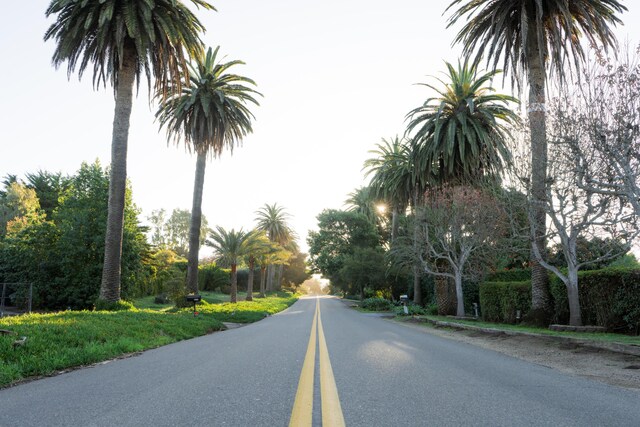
[403,300]
[194,298]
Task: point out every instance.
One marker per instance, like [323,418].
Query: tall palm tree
[210,113]
[123,39]
[273,220]
[534,39]
[230,247]
[461,136]
[397,177]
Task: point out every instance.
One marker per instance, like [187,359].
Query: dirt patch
[575,359]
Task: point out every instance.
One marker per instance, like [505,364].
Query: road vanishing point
[318,363]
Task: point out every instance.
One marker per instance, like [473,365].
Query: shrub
[376,304]
[211,277]
[500,301]
[413,309]
[177,292]
[431,309]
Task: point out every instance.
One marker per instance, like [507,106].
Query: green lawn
[58,341]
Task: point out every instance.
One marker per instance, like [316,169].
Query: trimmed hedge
[513,275]
[609,297]
[500,301]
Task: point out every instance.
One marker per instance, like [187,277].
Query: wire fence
[16,298]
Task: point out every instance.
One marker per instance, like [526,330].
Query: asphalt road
[385,374]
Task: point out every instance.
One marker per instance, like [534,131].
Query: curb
[628,349]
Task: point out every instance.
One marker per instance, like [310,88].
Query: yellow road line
[331,409]
[302,412]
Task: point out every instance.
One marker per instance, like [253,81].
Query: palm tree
[123,39]
[230,247]
[257,245]
[273,255]
[363,200]
[273,220]
[461,136]
[531,37]
[396,176]
[211,114]
[392,178]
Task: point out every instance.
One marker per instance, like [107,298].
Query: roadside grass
[58,341]
[245,311]
[595,336]
[208,296]
[67,339]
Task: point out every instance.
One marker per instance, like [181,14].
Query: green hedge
[609,297]
[500,301]
[512,275]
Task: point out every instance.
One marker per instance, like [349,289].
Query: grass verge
[245,311]
[599,336]
[59,341]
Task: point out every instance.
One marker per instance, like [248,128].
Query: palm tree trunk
[270,276]
[394,224]
[250,283]
[279,274]
[263,276]
[234,283]
[540,296]
[196,222]
[110,284]
[417,268]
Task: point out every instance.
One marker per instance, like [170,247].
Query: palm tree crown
[510,29]
[108,33]
[462,133]
[392,173]
[273,220]
[210,111]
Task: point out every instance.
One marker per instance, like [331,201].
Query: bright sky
[337,76]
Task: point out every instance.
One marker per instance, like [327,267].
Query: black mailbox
[194,298]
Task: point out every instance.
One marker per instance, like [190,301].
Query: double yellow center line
[302,412]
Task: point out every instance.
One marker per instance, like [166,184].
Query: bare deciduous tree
[458,225]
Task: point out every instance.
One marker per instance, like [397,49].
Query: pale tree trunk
[110,284]
[234,283]
[575,317]
[540,296]
[263,274]
[250,282]
[194,227]
[459,294]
